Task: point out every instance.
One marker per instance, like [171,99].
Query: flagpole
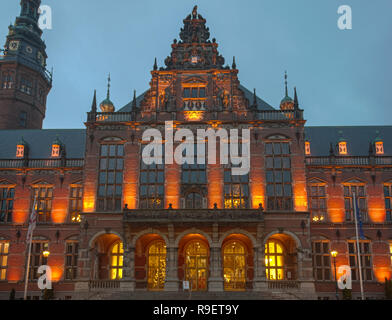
[358,246]
[28,267]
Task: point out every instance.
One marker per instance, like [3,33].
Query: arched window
[193,201]
[157,265]
[116,261]
[196,265]
[274,262]
[234,266]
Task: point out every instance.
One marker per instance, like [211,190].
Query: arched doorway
[234,266]
[116,261]
[156,265]
[281,258]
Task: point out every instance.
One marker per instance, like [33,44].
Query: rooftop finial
[194,12]
[108,95]
[155,65]
[254,105]
[234,66]
[134,104]
[285,83]
[94,104]
[296,104]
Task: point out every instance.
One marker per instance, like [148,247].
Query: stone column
[172,281]
[215,281]
[259,281]
[128,280]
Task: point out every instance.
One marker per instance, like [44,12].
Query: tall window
[116,261]
[194,93]
[44,196]
[274,260]
[111,177]
[75,203]
[318,202]
[390,251]
[196,265]
[4,249]
[234,266]
[193,179]
[8,81]
[321,261]
[366,260]
[152,181]
[23,119]
[279,188]
[236,189]
[157,266]
[71,260]
[349,204]
[26,86]
[37,258]
[388,201]
[6,204]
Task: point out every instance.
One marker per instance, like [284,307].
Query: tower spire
[296,104]
[108,94]
[94,104]
[285,83]
[254,104]
[234,66]
[155,65]
[134,104]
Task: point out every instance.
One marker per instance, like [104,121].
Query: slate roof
[358,139]
[40,142]
[248,94]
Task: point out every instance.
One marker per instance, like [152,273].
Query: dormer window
[343,148]
[20,148]
[379,148]
[55,150]
[307,148]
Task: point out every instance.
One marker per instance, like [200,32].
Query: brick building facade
[117,228]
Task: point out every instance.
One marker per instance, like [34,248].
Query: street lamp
[334,254]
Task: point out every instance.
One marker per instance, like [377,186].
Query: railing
[103,284]
[41,163]
[348,161]
[263,115]
[198,215]
[283,284]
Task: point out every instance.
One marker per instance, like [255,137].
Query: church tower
[25,82]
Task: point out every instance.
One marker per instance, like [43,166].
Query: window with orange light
[236,189]
[274,260]
[234,266]
[44,196]
[321,260]
[71,260]
[157,266]
[4,251]
[343,148]
[75,203]
[196,265]
[307,148]
[55,150]
[20,151]
[116,261]
[318,202]
[37,258]
[388,201]
[390,251]
[379,148]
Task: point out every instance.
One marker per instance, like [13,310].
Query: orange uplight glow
[194,115]
[88,205]
[300,199]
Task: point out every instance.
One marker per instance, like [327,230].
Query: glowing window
[157,266]
[390,251]
[274,260]
[307,148]
[20,151]
[234,266]
[75,203]
[196,265]
[343,148]
[116,261]
[4,248]
[379,148]
[55,150]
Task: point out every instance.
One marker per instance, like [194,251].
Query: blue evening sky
[342,77]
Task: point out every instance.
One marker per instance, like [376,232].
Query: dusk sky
[342,77]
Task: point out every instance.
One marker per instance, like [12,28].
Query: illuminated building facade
[117,228]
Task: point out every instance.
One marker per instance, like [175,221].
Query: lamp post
[334,254]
